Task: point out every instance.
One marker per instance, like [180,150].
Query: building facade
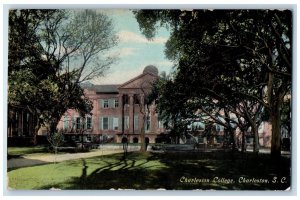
[119,112]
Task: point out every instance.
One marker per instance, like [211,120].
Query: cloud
[120,74]
[164,63]
[127,36]
[118,78]
[125,52]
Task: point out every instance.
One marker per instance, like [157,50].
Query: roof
[106,88]
[148,70]
[136,78]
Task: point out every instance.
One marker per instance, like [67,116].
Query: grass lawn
[14,152]
[193,170]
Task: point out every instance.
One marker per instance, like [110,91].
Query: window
[105,123]
[219,127]
[105,103]
[136,122]
[116,103]
[160,124]
[66,122]
[233,122]
[89,138]
[77,123]
[135,140]
[89,123]
[115,123]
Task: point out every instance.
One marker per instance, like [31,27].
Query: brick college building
[118,112]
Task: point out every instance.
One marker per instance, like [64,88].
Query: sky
[134,50]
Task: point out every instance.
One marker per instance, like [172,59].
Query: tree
[50,53]
[230,56]
[77,48]
[55,140]
[144,108]
[28,72]
[170,103]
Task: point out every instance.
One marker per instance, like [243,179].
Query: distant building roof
[86,84]
[106,88]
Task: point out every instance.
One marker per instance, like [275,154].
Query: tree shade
[237,61]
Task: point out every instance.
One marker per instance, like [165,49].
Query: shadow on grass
[184,171]
[16,152]
[16,163]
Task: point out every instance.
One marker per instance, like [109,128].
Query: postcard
[149,99]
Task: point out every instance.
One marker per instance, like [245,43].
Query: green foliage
[233,60]
[50,53]
[56,140]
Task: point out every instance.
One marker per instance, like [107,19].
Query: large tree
[28,73]
[77,42]
[50,53]
[233,55]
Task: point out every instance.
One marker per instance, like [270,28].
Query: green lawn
[21,151]
[194,170]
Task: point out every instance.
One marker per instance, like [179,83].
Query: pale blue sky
[135,51]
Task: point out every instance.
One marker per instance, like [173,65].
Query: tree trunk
[37,126]
[34,137]
[255,139]
[143,147]
[274,103]
[36,130]
[276,133]
[53,125]
[231,131]
[243,142]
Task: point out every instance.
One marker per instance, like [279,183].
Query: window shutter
[100,123]
[73,122]
[66,122]
[110,123]
[120,123]
[101,105]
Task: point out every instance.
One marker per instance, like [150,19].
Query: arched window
[135,140]
[147,140]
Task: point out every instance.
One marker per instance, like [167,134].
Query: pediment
[142,81]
